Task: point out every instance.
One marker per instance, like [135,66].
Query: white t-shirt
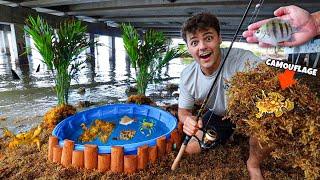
[194,85]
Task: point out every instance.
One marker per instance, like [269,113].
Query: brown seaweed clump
[98,128]
[140,99]
[290,123]
[58,113]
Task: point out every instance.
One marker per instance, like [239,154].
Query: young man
[202,35]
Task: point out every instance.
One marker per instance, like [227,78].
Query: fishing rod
[187,138]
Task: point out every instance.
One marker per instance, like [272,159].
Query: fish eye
[258,31]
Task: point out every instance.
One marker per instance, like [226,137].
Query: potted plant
[148,54]
[60,50]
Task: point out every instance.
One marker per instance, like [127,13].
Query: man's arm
[183,114]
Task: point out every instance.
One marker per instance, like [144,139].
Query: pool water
[159,129]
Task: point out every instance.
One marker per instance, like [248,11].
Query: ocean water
[24,101]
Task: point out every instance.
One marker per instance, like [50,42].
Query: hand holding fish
[293,26]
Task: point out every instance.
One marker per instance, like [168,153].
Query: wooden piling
[153,153]
[130,164]
[56,154]
[180,127]
[78,159]
[90,156]
[176,138]
[104,161]
[53,140]
[143,156]
[169,146]
[66,157]
[161,146]
[117,159]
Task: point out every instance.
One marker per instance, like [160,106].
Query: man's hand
[190,126]
[306,25]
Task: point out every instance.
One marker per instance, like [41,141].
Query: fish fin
[38,68]
[15,75]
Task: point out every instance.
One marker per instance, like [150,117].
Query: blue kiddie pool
[163,123]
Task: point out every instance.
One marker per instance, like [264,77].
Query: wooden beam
[18,15]
[223,20]
[49,3]
[132,4]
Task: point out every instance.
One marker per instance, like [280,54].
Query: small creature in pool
[147,126]
[127,134]
[125,120]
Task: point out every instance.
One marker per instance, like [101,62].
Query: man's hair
[202,21]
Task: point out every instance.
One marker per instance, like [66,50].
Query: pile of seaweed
[287,120]
[58,113]
[224,162]
[228,161]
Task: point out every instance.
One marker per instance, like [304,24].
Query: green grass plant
[60,50]
[148,54]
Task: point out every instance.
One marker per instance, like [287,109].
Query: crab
[273,103]
[147,126]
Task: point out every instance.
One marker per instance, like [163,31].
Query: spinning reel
[210,139]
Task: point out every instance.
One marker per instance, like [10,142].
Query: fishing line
[187,138]
[254,14]
[258,7]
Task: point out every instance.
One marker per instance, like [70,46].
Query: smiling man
[202,35]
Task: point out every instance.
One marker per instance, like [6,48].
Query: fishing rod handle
[179,156]
[183,147]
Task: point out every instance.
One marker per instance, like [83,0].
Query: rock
[131,90]
[3,118]
[140,99]
[172,87]
[175,94]
[173,109]
[81,90]
[84,104]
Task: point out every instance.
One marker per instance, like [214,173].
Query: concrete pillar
[128,65]
[6,42]
[28,45]
[2,45]
[19,39]
[112,58]
[92,47]
[112,47]
[92,59]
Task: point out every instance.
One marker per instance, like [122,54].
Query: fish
[125,120]
[275,31]
[14,75]
[38,68]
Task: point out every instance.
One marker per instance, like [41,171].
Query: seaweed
[98,128]
[293,134]
[58,113]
